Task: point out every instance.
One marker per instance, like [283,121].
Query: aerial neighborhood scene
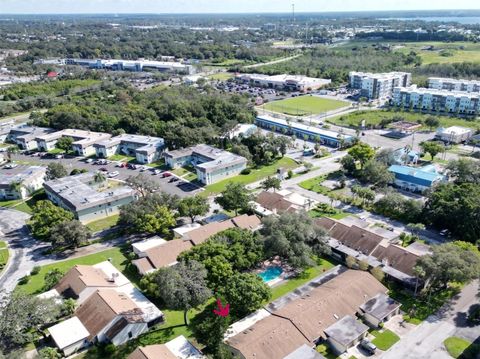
[270,179]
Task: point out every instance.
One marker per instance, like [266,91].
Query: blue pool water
[270,273]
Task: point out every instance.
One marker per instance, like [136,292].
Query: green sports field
[304,105]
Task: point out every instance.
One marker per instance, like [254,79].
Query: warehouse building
[301,131]
[284,82]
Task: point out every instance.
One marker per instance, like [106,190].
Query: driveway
[426,341]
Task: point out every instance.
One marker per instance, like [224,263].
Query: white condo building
[437,100]
[439,83]
[378,85]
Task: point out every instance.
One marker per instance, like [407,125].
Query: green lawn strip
[315,185]
[122,158]
[56,151]
[417,309]
[36,282]
[254,176]
[221,76]
[308,275]
[160,164]
[3,255]
[303,105]
[385,339]
[374,117]
[317,214]
[456,346]
[104,223]
[25,205]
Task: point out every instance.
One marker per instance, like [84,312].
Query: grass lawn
[315,185]
[221,76]
[385,339]
[304,105]
[418,309]
[374,118]
[24,205]
[443,53]
[3,255]
[36,282]
[185,173]
[103,223]
[160,164]
[309,274]
[316,214]
[56,151]
[123,158]
[255,175]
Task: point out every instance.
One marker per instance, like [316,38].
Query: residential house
[25,136]
[69,336]
[379,309]
[21,181]
[166,254]
[87,199]
[345,333]
[268,203]
[211,164]
[177,348]
[140,248]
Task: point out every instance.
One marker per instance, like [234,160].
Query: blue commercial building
[416,179]
[301,131]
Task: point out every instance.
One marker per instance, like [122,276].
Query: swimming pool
[270,273]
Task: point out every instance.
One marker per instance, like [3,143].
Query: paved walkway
[426,341]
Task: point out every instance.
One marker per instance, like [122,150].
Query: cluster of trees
[23,317]
[336,63]
[182,115]
[155,212]
[54,224]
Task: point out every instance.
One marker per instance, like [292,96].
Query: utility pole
[293,12]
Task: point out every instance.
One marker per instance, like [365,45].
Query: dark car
[368,346]
[103,169]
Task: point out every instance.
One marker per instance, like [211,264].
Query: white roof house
[69,334]
[180,231]
[140,248]
[183,349]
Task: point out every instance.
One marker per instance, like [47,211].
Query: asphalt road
[179,188]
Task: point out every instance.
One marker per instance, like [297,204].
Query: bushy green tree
[271,183]
[361,152]
[70,234]
[45,217]
[235,197]
[193,206]
[55,170]
[432,148]
[64,143]
[52,277]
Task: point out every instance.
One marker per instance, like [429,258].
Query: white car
[89,160]
[11,165]
[113,174]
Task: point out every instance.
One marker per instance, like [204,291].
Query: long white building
[284,82]
[439,83]
[378,85]
[131,65]
[437,100]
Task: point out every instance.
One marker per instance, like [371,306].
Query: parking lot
[179,187]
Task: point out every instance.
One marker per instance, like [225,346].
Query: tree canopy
[46,216]
[235,197]
[193,206]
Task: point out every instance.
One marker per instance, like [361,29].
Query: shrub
[246,171]
[289,174]
[35,270]
[24,280]
[109,349]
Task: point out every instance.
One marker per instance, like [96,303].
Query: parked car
[112,174]
[368,346]
[132,166]
[156,172]
[103,169]
[11,165]
[89,160]
[166,174]
[174,179]
[58,157]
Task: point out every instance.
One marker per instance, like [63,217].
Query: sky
[223,6]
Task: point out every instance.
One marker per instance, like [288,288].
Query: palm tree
[99,177]
[11,150]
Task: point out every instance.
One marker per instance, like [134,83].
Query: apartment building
[25,136]
[145,149]
[212,164]
[439,83]
[378,85]
[83,141]
[284,82]
[21,181]
[437,100]
[87,199]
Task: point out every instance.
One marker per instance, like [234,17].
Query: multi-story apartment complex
[83,141]
[212,164]
[284,82]
[437,100]
[146,149]
[19,182]
[377,86]
[439,83]
[86,198]
[25,136]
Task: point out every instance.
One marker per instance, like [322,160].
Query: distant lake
[467,20]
